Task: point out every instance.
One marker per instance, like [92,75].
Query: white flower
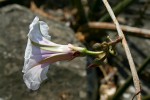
[40,52]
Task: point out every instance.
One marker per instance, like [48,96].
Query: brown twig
[115,41]
[131,30]
[128,53]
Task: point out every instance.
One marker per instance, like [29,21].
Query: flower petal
[28,50]
[35,33]
[43,27]
[44,30]
[35,76]
[36,19]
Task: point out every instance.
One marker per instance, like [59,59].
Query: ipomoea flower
[40,52]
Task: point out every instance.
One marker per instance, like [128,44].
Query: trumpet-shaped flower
[40,52]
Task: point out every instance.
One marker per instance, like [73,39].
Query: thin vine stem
[127,50]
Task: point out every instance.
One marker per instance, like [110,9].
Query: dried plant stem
[128,53]
[145,33]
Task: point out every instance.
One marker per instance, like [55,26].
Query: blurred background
[82,23]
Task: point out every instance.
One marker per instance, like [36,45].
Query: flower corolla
[40,52]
